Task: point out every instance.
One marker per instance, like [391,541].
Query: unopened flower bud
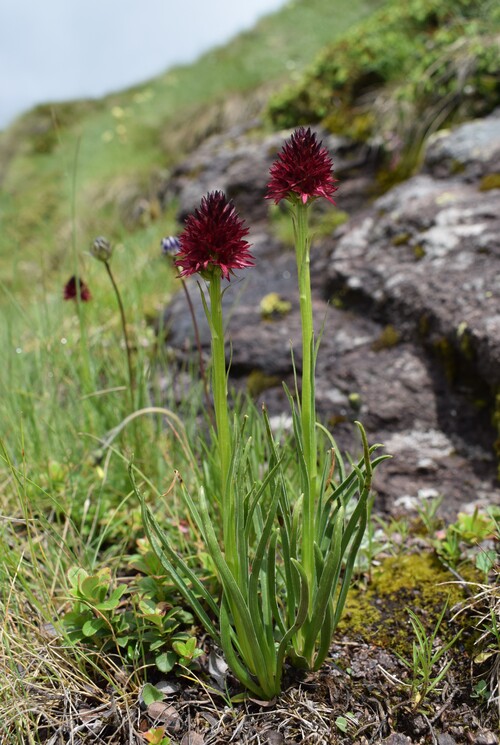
[101,249]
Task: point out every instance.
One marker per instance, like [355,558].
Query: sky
[52,50]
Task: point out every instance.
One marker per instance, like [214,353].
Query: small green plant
[187,651]
[427,655]
[461,540]
[346,722]
[448,547]
[157,736]
[136,628]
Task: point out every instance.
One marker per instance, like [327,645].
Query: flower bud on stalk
[101,249]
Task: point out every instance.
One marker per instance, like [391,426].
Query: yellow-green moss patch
[379,614]
[490,181]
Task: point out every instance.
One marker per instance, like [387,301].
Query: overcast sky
[58,49]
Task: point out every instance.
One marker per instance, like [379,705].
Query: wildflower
[101,249]
[71,290]
[213,239]
[303,170]
[170,245]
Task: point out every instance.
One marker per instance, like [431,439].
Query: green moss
[379,614]
[389,337]
[401,239]
[418,251]
[424,326]
[326,223]
[257,382]
[465,342]
[273,305]
[446,353]
[490,181]
[376,80]
[457,167]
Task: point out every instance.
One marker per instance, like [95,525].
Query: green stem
[307,407]
[84,346]
[219,389]
[131,377]
[200,351]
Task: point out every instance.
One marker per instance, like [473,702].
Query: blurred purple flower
[170,246]
[71,290]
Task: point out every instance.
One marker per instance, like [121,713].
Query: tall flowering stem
[307,403]
[219,390]
[213,245]
[284,564]
[102,250]
[302,173]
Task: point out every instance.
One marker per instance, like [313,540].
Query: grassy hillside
[71,171]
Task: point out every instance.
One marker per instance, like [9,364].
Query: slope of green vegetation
[111,152]
[407,70]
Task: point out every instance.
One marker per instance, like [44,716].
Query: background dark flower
[213,239]
[71,292]
[303,170]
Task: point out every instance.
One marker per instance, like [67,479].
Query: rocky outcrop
[409,294]
[238,163]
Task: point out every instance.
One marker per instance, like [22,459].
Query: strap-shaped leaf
[272,590]
[257,604]
[173,564]
[327,585]
[249,643]
[232,659]
[325,639]
[299,620]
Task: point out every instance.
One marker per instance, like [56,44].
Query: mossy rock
[390,337]
[379,614]
[388,78]
[258,381]
[490,181]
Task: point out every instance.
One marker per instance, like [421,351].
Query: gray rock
[445,739]
[427,257]
[238,163]
[471,150]
[396,739]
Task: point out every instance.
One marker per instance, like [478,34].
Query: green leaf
[166,661]
[114,599]
[341,724]
[93,588]
[150,694]
[75,576]
[93,626]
